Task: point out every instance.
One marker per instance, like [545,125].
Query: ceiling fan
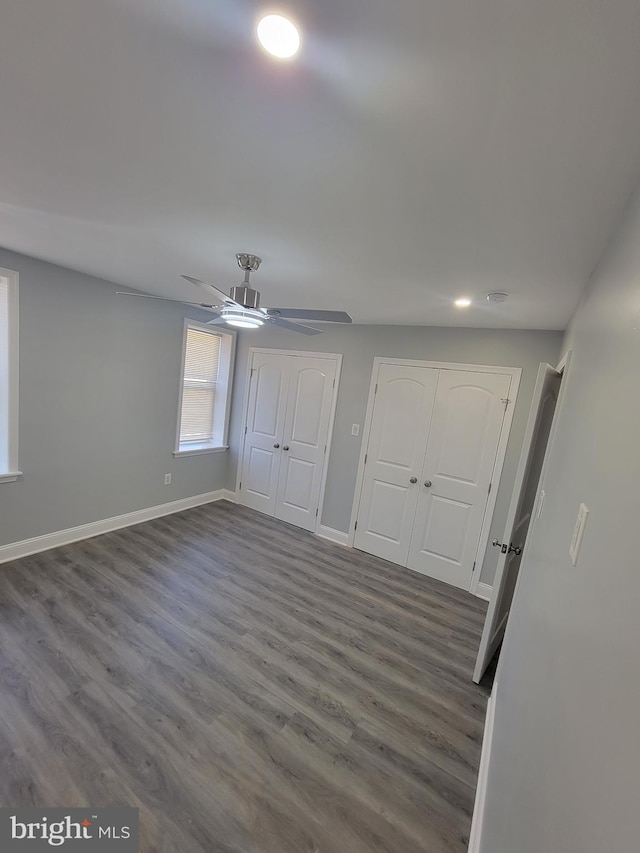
[242,310]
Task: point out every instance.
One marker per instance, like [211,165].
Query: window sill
[198,449]
[10,476]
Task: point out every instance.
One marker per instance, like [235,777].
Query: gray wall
[359,345]
[564,773]
[99,380]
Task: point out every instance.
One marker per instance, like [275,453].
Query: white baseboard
[16,550]
[338,536]
[475,836]
[484,591]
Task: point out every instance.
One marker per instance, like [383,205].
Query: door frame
[514,372]
[334,356]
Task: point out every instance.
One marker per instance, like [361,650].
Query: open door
[543,406]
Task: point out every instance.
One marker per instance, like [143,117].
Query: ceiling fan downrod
[244,293]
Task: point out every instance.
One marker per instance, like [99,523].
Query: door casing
[514,372]
[337,357]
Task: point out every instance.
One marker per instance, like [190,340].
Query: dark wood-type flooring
[250,687]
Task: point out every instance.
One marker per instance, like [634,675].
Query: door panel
[397,441]
[265,427]
[541,414]
[305,434]
[461,449]
[308,386]
[298,484]
[446,531]
[461,452]
[269,386]
[260,472]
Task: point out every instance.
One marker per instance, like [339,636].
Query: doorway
[435,440]
[289,415]
[526,504]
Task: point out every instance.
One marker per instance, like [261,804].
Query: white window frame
[9,471]
[224,385]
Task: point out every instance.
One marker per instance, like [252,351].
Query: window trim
[223,392]
[13,472]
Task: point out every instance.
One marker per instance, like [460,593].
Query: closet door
[453,489]
[395,454]
[306,428]
[264,430]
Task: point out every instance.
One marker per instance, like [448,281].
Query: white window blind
[4,374]
[8,376]
[4,328]
[201,365]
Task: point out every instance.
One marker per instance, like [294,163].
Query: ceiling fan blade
[224,297]
[204,305]
[295,327]
[310,314]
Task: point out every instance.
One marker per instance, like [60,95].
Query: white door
[264,429]
[454,485]
[543,406]
[304,439]
[397,441]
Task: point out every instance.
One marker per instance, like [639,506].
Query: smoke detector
[497,296]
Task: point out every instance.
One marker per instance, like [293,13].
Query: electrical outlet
[167,479]
[355,429]
[578,532]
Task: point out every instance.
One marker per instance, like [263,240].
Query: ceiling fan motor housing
[246,296]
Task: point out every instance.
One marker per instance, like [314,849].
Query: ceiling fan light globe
[240,319]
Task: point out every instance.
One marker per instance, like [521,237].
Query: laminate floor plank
[248,686]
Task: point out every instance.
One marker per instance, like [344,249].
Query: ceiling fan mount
[247,262]
[241,308]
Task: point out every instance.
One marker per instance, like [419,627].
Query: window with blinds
[8,375]
[201,364]
[205,394]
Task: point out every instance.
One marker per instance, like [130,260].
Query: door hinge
[375,390]
[334,383]
[474,567]
[253,370]
[240,486]
[325,448]
[245,430]
[316,513]
[365,458]
[505,400]
[489,492]
[355,526]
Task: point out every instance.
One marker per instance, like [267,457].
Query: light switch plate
[355,429]
[578,532]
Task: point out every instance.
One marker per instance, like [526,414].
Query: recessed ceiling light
[278,36]
[463,302]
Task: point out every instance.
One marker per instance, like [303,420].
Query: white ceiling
[416,151]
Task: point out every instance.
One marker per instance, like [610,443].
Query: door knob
[286,447]
[413,480]
[276,445]
[427,484]
[507,549]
